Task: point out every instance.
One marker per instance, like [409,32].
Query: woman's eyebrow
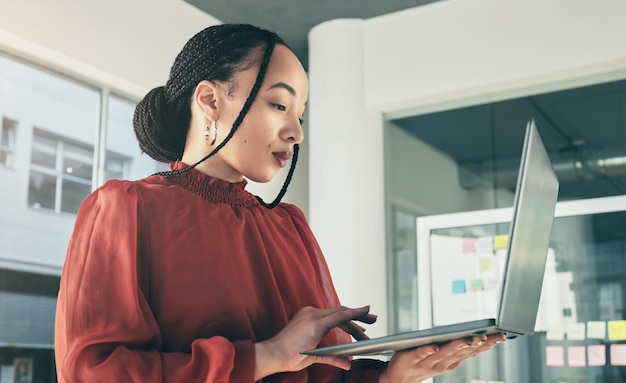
[282,85]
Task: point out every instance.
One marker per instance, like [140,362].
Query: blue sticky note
[458,286]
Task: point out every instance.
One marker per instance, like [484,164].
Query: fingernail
[433,350]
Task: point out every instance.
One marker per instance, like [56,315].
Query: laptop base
[407,340]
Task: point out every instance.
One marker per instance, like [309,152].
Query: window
[61,172]
[115,166]
[54,166]
[7,141]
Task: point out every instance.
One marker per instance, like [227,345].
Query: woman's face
[265,140]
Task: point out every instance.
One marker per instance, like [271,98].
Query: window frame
[8,151]
[98,147]
[58,172]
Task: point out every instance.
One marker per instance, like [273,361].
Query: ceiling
[293,19]
[587,124]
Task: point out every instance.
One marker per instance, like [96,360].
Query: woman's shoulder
[116,185]
[116,189]
[293,211]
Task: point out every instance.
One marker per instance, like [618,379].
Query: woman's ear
[205,98]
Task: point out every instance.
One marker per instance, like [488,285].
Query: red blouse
[173,279]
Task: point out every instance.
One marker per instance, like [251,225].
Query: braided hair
[217,53]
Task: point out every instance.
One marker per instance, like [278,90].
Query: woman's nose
[295,133]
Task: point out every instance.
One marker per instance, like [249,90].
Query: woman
[186,277]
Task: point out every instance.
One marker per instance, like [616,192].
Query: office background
[411,113]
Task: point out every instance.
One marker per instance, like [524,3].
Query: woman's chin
[262,179]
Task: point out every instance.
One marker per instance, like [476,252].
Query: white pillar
[346,185]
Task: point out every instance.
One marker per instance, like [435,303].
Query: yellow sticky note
[500,241]
[617,329]
[486,264]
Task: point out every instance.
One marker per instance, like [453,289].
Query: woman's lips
[282,158]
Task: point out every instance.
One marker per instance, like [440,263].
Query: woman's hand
[304,331]
[417,365]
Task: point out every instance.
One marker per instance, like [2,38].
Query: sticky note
[596,355]
[458,286]
[490,284]
[618,354]
[596,330]
[555,356]
[500,241]
[484,245]
[576,356]
[485,264]
[617,329]
[556,332]
[476,285]
[576,331]
[468,246]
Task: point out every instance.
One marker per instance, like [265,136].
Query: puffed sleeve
[105,330]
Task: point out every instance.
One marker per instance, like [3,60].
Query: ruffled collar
[212,189]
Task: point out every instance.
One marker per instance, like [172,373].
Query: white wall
[456,52]
[440,56]
[128,45]
[346,195]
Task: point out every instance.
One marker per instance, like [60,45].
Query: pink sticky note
[469,245]
[555,356]
[618,354]
[596,355]
[576,356]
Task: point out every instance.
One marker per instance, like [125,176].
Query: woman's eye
[279,107]
[301,121]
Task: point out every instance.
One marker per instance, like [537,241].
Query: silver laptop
[527,249]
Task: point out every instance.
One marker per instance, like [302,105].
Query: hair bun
[156,136]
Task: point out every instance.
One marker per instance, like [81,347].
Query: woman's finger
[336,316]
[367,318]
[356,331]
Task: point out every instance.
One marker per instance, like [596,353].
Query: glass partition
[580,333]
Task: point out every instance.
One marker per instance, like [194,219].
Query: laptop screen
[529,238]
